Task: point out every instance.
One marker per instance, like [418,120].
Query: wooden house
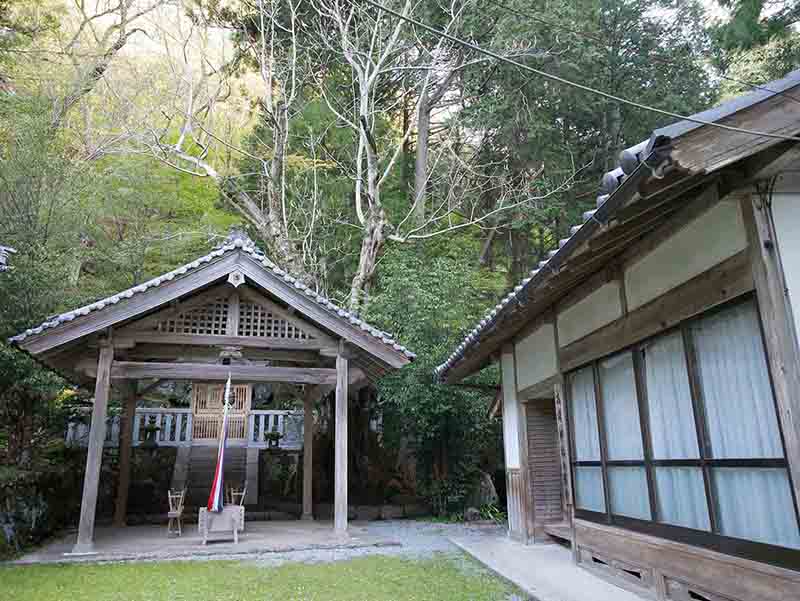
[230,313]
[650,375]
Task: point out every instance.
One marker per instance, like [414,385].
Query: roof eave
[458,367]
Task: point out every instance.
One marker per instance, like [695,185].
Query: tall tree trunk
[405,175]
[371,246]
[375,222]
[421,159]
[520,254]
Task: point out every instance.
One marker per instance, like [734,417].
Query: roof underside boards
[379,350]
[655,179]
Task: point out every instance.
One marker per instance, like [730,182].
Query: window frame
[710,539]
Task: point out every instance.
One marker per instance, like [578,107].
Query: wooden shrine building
[230,312]
[650,364]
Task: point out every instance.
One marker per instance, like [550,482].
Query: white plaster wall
[592,312]
[786,216]
[536,356]
[710,239]
[510,411]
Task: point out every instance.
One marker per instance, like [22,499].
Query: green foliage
[637,49]
[761,64]
[493,513]
[754,23]
[428,296]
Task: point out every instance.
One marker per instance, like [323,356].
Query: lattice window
[255,320]
[211,318]
[240,397]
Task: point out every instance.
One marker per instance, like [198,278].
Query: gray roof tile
[239,243]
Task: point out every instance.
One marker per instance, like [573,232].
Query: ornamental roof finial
[237,236]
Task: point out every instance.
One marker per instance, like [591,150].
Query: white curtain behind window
[589,485]
[681,497]
[756,504]
[669,399]
[620,408]
[739,406]
[584,416]
[628,488]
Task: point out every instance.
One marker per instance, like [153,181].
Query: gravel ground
[418,540]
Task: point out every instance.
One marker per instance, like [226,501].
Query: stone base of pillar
[307,517]
[82,549]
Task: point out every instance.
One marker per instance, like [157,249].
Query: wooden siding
[517,504]
[663,569]
[544,464]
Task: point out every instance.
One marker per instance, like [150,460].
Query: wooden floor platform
[560,530]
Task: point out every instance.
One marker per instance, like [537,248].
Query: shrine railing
[289,424]
[179,427]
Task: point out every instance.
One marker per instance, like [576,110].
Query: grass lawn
[367,579]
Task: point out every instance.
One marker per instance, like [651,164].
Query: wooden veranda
[229,312]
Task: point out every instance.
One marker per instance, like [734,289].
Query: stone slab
[545,572]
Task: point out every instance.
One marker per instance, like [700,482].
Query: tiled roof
[234,242]
[630,160]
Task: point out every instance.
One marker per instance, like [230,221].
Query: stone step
[202,464]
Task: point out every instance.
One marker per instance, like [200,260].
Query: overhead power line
[598,41]
[574,84]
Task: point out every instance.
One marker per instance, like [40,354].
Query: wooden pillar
[125,440]
[340,459]
[308,452]
[513,447]
[94,454]
[778,323]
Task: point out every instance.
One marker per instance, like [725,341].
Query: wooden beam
[214,340]
[540,390]
[94,454]
[710,148]
[723,282]
[340,443]
[126,309]
[778,324]
[204,371]
[198,354]
[125,431]
[311,395]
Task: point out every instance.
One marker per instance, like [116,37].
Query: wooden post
[513,441]
[94,454]
[340,459]
[778,323]
[308,452]
[232,323]
[125,440]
